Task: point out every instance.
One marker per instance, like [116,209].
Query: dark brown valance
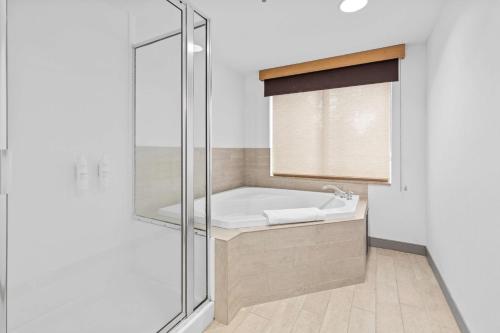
[369,73]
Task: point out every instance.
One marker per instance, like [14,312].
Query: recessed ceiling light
[351,6]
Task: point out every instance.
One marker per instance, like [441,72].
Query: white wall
[394,214]
[227,107]
[158,98]
[66,98]
[256,113]
[463,162]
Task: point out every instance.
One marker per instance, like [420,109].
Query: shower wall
[68,95]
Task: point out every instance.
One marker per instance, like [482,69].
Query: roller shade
[341,133]
[363,74]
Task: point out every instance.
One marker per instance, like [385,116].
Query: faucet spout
[335,189]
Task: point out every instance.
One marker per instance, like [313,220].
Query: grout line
[377,313]
[399,295]
[374,253]
[350,312]
[425,308]
[325,311]
[359,308]
[258,315]
[298,314]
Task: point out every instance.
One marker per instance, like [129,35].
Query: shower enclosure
[104,146]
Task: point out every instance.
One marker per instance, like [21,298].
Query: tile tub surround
[158,175]
[400,295]
[262,264]
[228,168]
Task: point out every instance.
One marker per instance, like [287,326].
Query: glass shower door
[109,149]
[201,178]
[158,54]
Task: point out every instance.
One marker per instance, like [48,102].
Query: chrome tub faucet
[338,190]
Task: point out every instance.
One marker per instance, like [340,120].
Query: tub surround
[260,264]
[228,168]
[159,172]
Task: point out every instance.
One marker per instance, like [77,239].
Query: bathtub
[243,207]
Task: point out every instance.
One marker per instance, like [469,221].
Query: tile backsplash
[228,168]
[158,175]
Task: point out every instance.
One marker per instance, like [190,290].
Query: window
[341,133]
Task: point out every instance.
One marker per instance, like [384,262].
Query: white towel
[294,215]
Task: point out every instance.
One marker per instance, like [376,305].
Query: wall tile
[158,175]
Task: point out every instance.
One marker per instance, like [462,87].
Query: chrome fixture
[336,190]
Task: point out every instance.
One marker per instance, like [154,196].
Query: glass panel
[200,161]
[79,262]
[158,132]
[158,155]
[158,165]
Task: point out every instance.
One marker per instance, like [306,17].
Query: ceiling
[249,35]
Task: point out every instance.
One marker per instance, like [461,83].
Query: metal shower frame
[188,303]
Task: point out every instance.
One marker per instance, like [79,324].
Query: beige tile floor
[400,294]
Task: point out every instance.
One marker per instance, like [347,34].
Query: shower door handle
[5,171]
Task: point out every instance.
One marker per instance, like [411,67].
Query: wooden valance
[358,58]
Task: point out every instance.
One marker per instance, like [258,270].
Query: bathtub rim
[223,234]
[170,212]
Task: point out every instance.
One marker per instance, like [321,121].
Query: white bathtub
[243,207]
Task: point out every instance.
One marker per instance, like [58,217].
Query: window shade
[341,133]
[375,72]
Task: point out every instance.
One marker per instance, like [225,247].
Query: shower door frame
[188,305]
[187,148]
[3,161]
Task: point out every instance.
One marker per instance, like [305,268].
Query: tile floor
[400,294]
